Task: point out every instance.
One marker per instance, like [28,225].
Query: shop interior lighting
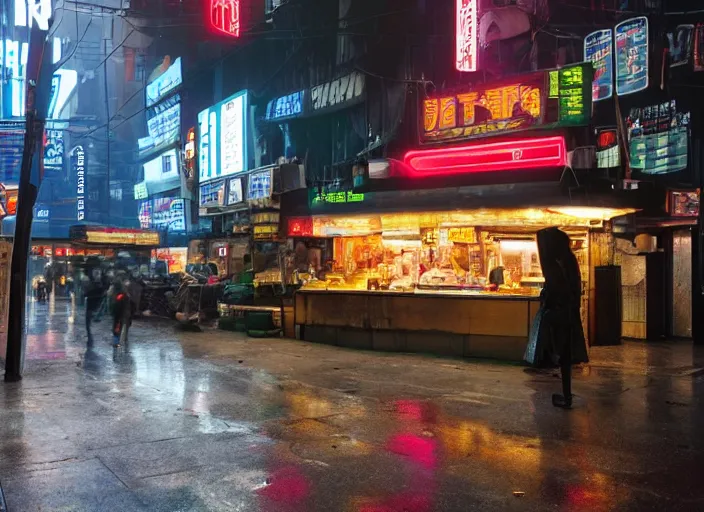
[401,243]
[516,155]
[518,245]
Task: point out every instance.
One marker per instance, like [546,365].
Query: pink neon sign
[466,36]
[497,156]
[224,17]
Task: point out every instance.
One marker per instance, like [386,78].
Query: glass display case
[473,260]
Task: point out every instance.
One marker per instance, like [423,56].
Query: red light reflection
[288,485]
[417,449]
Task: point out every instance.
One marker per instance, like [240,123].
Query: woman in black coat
[561,298]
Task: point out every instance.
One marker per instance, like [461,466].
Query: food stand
[462,282]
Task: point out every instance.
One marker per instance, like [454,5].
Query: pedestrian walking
[95,293]
[123,298]
[560,301]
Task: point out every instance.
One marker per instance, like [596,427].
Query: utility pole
[38,85]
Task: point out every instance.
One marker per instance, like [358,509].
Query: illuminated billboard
[169,214]
[13,69]
[212,194]
[165,82]
[658,138]
[546,99]
[285,107]
[598,49]
[163,125]
[467,35]
[222,138]
[631,56]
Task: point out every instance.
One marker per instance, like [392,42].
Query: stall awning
[518,218]
[116,237]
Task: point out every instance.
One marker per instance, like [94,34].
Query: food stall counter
[456,323]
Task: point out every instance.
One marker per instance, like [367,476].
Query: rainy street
[217,421]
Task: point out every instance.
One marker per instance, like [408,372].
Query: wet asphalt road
[216,421]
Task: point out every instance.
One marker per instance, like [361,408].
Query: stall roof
[504,196]
[113,237]
[518,218]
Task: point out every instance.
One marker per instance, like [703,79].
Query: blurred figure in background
[124,296]
[94,290]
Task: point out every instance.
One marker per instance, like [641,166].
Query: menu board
[631,56]
[658,138]
[462,235]
[598,49]
[571,88]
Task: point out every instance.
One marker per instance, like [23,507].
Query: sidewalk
[216,421]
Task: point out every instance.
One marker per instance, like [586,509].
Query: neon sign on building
[466,37]
[482,112]
[28,12]
[224,17]
[13,61]
[516,155]
[546,99]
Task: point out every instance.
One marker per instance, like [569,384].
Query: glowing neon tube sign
[224,17]
[524,154]
[466,36]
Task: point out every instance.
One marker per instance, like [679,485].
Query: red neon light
[498,156]
[224,16]
[606,139]
[300,226]
[466,36]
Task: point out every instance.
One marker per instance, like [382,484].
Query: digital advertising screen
[212,194]
[169,214]
[658,138]
[165,83]
[163,125]
[598,49]
[222,138]
[631,56]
